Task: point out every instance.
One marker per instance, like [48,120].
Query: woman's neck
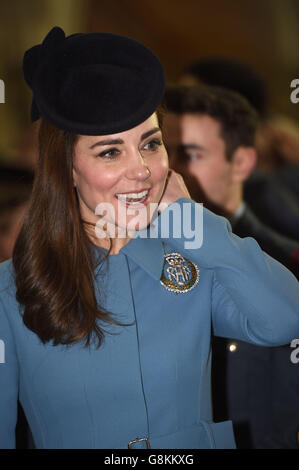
[116,243]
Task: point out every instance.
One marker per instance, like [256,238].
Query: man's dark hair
[234,75]
[237,118]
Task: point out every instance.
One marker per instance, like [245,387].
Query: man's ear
[243,162]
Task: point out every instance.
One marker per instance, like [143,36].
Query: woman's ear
[74,178]
[243,162]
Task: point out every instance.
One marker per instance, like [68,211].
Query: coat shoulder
[7,279]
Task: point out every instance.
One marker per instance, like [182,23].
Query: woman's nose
[137,167]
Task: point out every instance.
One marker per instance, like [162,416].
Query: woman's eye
[153,145]
[109,154]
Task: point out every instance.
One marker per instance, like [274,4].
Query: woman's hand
[175,188]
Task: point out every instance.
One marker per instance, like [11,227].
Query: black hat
[93,84]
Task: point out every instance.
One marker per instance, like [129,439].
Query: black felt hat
[93,84]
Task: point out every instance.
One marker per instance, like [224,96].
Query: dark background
[262,33]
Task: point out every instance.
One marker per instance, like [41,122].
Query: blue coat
[150,379]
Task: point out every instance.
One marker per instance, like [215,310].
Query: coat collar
[146,252]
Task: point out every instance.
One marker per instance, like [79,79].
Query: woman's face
[127,170]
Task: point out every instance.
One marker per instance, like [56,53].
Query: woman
[101,346]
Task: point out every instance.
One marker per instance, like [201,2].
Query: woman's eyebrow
[120,141]
[148,133]
[107,142]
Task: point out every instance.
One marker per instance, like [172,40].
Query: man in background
[210,135]
[275,177]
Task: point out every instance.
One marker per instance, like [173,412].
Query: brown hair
[53,256]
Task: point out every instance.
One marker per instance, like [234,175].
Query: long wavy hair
[54,259]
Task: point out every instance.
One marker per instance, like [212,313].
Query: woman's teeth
[132,198]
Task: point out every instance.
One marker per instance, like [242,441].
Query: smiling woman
[108,340]
[127,171]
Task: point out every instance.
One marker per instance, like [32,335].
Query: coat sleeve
[9,373]
[254,297]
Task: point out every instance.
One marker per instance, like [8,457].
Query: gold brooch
[179,274]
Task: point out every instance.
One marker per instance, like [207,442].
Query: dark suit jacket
[289,176]
[273,203]
[257,387]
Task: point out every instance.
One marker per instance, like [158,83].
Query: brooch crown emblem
[179,274]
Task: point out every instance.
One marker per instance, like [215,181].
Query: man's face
[195,147]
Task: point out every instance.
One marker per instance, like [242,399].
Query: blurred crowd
[243,163]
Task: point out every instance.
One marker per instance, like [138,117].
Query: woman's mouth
[132,199]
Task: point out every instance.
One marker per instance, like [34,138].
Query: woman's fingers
[175,189]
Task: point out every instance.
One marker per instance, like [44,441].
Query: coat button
[232,347]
